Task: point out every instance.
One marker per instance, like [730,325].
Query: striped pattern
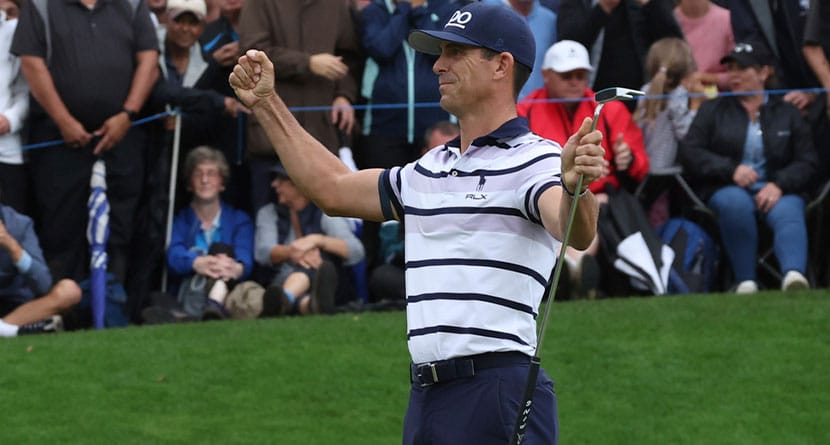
[477,256]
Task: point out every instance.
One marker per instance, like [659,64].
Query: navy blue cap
[278,170]
[493,26]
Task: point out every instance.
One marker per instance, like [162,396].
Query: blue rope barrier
[135,123]
[581,99]
[774,92]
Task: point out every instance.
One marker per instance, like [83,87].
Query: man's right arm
[317,172]
[43,90]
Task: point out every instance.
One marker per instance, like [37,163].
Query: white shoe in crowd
[218,292]
[747,287]
[793,280]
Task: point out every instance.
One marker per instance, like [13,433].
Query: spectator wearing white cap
[556,111]
[189,77]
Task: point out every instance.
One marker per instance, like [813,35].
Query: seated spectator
[565,70]
[751,157]
[14,105]
[305,247]
[386,282]
[29,304]
[665,118]
[708,29]
[211,246]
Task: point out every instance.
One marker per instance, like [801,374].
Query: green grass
[714,369]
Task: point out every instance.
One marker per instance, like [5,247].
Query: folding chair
[813,211]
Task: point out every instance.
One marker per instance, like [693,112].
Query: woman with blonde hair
[676,94]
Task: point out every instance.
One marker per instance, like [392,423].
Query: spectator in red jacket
[557,110]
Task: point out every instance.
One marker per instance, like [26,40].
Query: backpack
[42,7]
[696,256]
[193,295]
[115,312]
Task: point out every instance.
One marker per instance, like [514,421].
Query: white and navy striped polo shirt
[477,255]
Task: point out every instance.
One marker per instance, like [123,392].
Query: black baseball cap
[749,53]
[493,26]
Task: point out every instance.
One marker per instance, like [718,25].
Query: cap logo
[460,19]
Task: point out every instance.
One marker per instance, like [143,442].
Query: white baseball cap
[176,8]
[567,55]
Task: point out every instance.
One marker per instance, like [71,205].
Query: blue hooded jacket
[401,75]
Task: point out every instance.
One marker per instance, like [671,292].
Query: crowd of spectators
[141,85]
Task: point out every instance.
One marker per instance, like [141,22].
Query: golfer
[482,215]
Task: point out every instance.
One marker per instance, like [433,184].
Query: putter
[601,98]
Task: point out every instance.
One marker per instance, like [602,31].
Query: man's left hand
[583,155]
[622,154]
[227,54]
[112,132]
[342,114]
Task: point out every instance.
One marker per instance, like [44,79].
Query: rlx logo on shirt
[479,187]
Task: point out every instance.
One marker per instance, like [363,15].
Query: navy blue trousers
[481,410]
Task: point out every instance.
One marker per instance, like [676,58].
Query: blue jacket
[403,75]
[542,22]
[235,230]
[17,286]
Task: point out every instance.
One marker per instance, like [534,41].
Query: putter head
[616,93]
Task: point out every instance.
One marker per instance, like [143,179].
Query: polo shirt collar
[508,130]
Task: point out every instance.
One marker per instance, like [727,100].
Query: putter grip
[527,402]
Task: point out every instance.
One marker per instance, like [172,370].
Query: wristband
[571,194]
[131,115]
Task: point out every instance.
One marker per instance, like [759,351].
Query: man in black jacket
[617,34]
